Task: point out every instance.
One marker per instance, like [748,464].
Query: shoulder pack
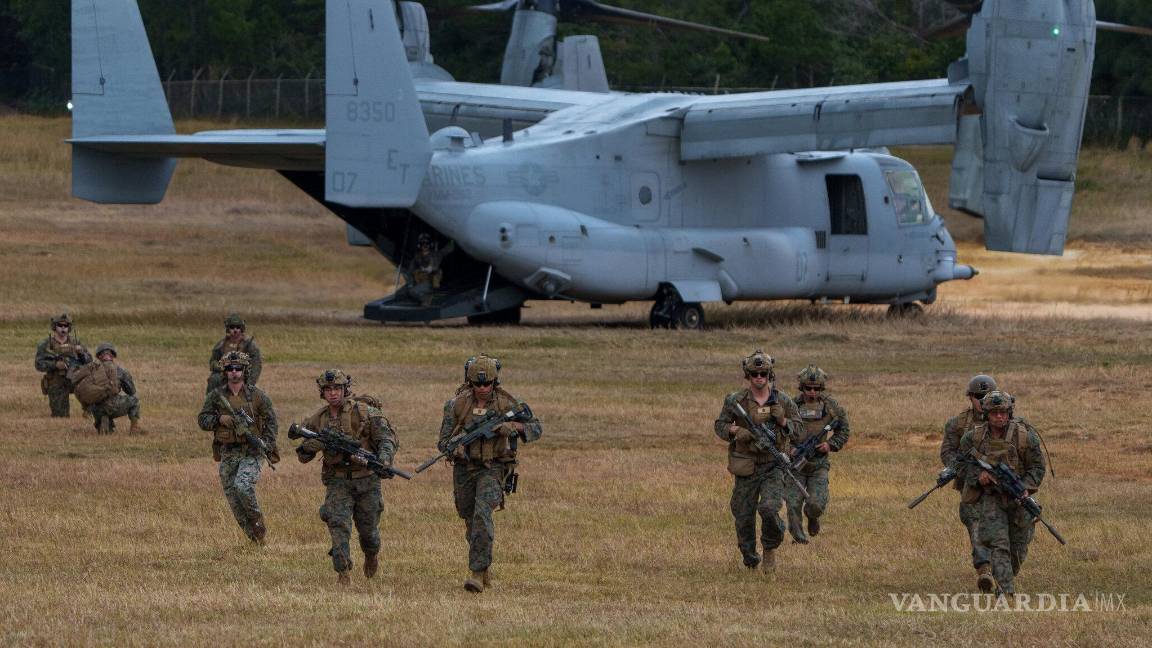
[96,382]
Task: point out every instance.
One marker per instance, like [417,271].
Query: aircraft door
[646,198]
[848,245]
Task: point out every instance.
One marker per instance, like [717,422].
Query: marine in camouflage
[234,341]
[54,355]
[819,410]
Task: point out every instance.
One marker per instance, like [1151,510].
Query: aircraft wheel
[496,318]
[910,309]
[689,316]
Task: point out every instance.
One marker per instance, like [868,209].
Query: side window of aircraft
[846,203]
[907,197]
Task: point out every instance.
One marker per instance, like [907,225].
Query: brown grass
[621,533]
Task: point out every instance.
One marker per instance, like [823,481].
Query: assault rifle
[336,442]
[804,452]
[243,423]
[946,476]
[1011,485]
[481,428]
[766,442]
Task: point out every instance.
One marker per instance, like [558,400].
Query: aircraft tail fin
[115,91]
[377,149]
[1030,65]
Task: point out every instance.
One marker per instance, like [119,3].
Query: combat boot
[371,564]
[813,526]
[343,579]
[769,562]
[259,531]
[135,429]
[475,583]
[984,579]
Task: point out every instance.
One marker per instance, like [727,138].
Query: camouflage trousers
[348,502]
[967,515]
[239,472]
[478,492]
[816,483]
[58,401]
[1001,533]
[761,492]
[115,407]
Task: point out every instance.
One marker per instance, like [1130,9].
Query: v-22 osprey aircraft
[608,197]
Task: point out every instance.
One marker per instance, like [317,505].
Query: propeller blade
[1128,29]
[591,10]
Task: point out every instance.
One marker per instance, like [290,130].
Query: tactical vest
[742,457]
[54,376]
[1011,450]
[464,411]
[815,416]
[242,401]
[354,422]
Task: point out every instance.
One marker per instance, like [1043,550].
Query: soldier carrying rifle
[482,469]
[1001,527]
[58,353]
[225,414]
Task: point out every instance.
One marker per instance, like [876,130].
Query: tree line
[812,43]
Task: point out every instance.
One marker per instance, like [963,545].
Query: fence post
[220,94]
[192,99]
[278,80]
[248,94]
[1120,122]
[168,87]
[307,82]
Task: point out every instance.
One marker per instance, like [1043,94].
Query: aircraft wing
[455,101]
[817,119]
[297,150]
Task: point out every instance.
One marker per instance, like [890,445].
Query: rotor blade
[1128,29]
[591,10]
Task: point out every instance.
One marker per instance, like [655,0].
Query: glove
[311,446]
[358,460]
[61,365]
[459,454]
[507,429]
[743,435]
[226,420]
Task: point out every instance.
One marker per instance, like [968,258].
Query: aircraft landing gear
[908,309]
[496,318]
[670,311]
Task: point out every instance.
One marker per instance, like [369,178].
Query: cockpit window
[908,198]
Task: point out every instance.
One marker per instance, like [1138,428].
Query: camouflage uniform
[353,491]
[1001,529]
[814,474]
[478,477]
[423,270]
[123,404]
[760,482]
[225,346]
[55,383]
[239,460]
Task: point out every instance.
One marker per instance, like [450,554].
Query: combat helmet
[997,401]
[235,358]
[481,369]
[106,346]
[812,376]
[759,361]
[234,319]
[334,377]
[64,318]
[980,385]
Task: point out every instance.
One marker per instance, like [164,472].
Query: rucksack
[95,382]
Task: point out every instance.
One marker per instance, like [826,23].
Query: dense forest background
[813,43]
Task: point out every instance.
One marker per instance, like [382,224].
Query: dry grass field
[621,532]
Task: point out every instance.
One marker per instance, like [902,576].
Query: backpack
[95,382]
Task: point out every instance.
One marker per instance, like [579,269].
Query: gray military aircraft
[610,197]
